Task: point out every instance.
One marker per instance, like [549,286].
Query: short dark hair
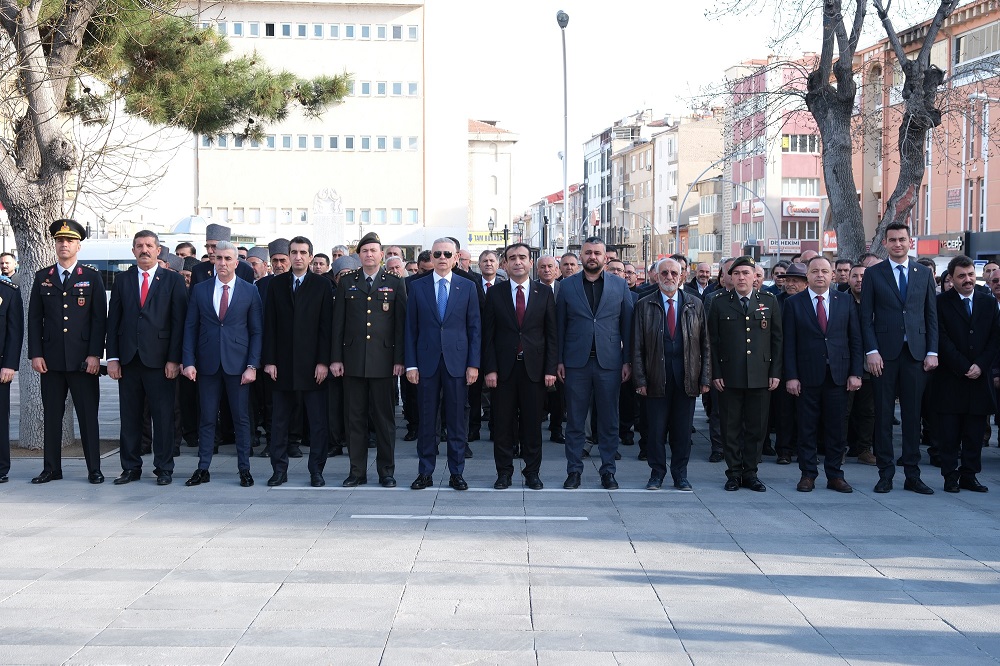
[898,226]
[568,254]
[145,233]
[961,261]
[458,246]
[424,257]
[844,261]
[242,248]
[595,240]
[518,244]
[301,240]
[928,262]
[8,254]
[818,257]
[866,256]
[186,246]
[410,261]
[190,263]
[322,256]
[679,258]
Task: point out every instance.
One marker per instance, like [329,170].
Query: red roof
[482,127]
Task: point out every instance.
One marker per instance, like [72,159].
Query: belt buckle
[520,356]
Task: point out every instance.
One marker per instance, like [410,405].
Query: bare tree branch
[67,41]
[883,14]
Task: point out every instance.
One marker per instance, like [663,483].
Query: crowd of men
[283,347]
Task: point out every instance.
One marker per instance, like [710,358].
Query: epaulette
[9,284]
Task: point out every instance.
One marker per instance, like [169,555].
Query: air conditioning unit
[876,185]
[649,167]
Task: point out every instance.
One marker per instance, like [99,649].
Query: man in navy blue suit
[145,335]
[443,347]
[823,361]
[222,343]
[594,320]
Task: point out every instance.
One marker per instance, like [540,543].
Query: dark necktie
[746,303]
[519,307]
[370,282]
[295,287]
[821,313]
[144,290]
[65,278]
[224,302]
[671,324]
[902,282]
[968,305]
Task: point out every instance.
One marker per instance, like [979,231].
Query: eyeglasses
[995,281]
[669,273]
[445,253]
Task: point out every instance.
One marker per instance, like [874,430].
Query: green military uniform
[746,354]
[368,325]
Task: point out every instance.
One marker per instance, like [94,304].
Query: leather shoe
[840,485]
[558,438]
[96,478]
[354,481]
[468,451]
[755,485]
[246,479]
[972,483]
[474,436]
[128,476]
[951,484]
[683,484]
[200,476]
[883,485]
[805,485]
[387,482]
[316,480]
[45,477]
[265,452]
[457,482]
[502,482]
[533,482]
[410,436]
[164,478]
[422,481]
[585,454]
[618,455]
[608,481]
[572,481]
[642,456]
[867,458]
[335,451]
[3,479]
[784,460]
[917,486]
[715,457]
[732,485]
[277,479]
[294,451]
[654,483]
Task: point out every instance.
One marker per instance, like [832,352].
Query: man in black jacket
[11,339]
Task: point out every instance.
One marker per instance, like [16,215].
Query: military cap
[259,252]
[370,237]
[742,261]
[796,270]
[176,263]
[218,232]
[346,263]
[68,229]
[278,246]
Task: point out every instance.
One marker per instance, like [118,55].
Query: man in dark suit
[594,320]
[298,331]
[710,400]
[519,362]
[67,319]
[214,234]
[969,329]
[277,252]
[899,327]
[368,325]
[547,268]
[222,343]
[823,361]
[745,370]
[145,337]
[11,338]
[443,347]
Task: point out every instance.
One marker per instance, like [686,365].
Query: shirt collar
[514,285]
[438,278]
[813,295]
[219,282]
[905,264]
[71,269]
[151,271]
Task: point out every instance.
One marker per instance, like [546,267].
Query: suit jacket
[261,285]
[230,345]
[965,341]
[458,338]
[885,319]
[298,329]
[154,331]
[206,271]
[369,326]
[66,325]
[608,330]
[808,351]
[536,337]
[11,325]
[746,346]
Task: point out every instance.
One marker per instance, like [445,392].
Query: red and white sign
[784,245]
[830,241]
[800,208]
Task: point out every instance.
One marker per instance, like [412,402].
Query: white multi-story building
[490,171]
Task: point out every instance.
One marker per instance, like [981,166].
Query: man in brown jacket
[671,366]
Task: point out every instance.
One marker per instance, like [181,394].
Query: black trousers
[743,412]
[821,410]
[139,384]
[628,412]
[316,407]
[476,405]
[903,377]
[555,399]
[369,401]
[335,411]
[4,429]
[960,442]
[187,401]
[86,391]
[517,413]
[861,417]
[786,421]
[411,413]
[712,402]
[669,416]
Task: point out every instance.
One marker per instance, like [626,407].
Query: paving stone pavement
[221,574]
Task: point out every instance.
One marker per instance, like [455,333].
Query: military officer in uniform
[11,337]
[67,319]
[369,319]
[744,327]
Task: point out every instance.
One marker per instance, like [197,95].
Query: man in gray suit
[899,327]
[594,320]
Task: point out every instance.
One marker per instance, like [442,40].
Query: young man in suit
[222,344]
[823,361]
[899,327]
[519,363]
[67,320]
[145,338]
[442,351]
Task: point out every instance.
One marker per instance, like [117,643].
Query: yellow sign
[485,238]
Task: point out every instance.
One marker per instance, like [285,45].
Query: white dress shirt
[513,292]
[151,271]
[60,268]
[437,279]
[826,303]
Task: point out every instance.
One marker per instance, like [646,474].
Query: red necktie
[821,313]
[224,303]
[144,290]
[519,307]
[671,324]
[488,285]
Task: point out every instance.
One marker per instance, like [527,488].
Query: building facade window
[333,31]
[412,216]
[799,187]
[366,216]
[333,142]
[366,143]
[800,143]
[397,216]
[349,215]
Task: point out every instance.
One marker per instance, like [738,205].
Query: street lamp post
[649,222]
[491,224]
[562,18]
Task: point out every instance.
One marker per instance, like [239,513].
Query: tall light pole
[562,18]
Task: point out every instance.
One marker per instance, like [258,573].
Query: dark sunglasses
[439,253]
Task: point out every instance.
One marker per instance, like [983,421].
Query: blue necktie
[902,281]
[968,305]
[442,298]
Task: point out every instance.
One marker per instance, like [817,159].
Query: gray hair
[394,258]
[340,248]
[225,245]
[656,266]
[447,240]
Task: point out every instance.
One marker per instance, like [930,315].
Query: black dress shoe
[618,456]
[883,486]
[715,457]
[387,482]
[335,451]
[608,481]
[354,481]
[917,486]
[732,485]
[628,442]
[572,481]
[246,479]
[422,481]
[316,480]
[654,483]
[468,451]
[585,454]
[755,485]
[200,476]
[45,477]
[558,438]
[642,456]
[972,483]
[533,482]
[3,479]
[951,482]
[768,450]
[683,484]
[410,436]
[265,452]
[294,451]
[164,478]
[277,479]
[502,482]
[783,460]
[457,482]
[95,478]
[128,476]
[473,436]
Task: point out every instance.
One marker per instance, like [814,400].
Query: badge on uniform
[80,285]
[763,324]
[81,301]
[385,306]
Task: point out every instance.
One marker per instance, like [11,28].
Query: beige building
[705,230]
[632,183]
[490,170]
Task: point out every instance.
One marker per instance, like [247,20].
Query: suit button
[748,318]
[65,294]
[65,318]
[65,330]
[748,352]
[748,340]
[368,337]
[369,323]
[748,330]
[65,305]
[369,298]
[369,312]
